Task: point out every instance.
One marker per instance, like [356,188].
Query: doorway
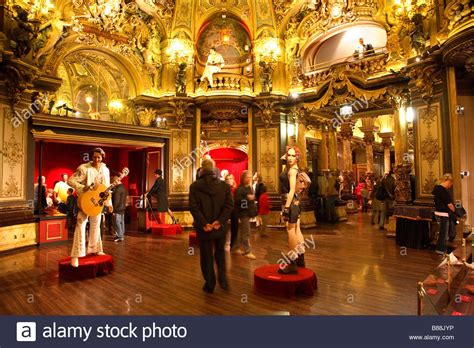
[230,159]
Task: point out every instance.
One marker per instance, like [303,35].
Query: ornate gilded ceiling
[140,44]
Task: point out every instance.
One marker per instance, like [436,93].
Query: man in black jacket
[388,184]
[444,207]
[119,200]
[210,203]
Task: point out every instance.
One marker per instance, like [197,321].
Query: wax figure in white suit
[94,172]
[214,64]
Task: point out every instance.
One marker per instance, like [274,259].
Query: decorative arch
[133,76]
[293,12]
[231,37]
[232,159]
[336,42]
[216,13]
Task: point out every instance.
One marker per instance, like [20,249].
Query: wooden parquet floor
[359,270]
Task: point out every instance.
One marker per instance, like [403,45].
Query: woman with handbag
[244,199]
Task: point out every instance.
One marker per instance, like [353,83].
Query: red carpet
[90,266]
[166,230]
[193,240]
[267,280]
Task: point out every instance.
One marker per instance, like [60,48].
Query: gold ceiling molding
[227,144]
[106,127]
[180,112]
[459,15]
[130,66]
[340,90]
[282,8]
[460,51]
[123,18]
[266,111]
[51,136]
[330,14]
[423,77]
[207,9]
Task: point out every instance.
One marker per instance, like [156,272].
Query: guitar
[92,201]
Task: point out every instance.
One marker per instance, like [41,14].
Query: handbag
[252,210]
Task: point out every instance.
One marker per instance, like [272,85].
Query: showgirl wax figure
[159,191]
[94,172]
[290,185]
[214,64]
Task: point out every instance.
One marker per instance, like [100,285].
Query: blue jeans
[120,225]
[443,233]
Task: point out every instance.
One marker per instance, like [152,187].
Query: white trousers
[94,242]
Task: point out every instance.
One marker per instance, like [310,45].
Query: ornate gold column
[332,149]
[250,139]
[402,167]
[198,135]
[399,128]
[454,130]
[369,139]
[324,150]
[301,143]
[347,174]
[368,128]
[387,144]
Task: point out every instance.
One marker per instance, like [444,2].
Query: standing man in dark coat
[210,203]
[159,191]
[388,183]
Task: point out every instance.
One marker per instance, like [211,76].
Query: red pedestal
[89,267]
[166,230]
[52,229]
[193,240]
[267,280]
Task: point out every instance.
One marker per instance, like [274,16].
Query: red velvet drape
[235,161]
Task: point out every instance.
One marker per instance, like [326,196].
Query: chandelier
[41,9]
[268,50]
[180,51]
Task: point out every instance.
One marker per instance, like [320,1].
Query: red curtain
[235,161]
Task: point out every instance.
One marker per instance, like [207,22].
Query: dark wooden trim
[15,216]
[69,123]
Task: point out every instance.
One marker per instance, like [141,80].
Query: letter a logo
[26,332]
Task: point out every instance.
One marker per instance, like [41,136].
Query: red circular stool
[193,240]
[166,230]
[90,266]
[268,281]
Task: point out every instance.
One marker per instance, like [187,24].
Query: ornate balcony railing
[226,82]
[369,66]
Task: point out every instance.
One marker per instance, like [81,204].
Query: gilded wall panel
[182,159]
[12,158]
[429,147]
[263,13]
[267,157]
[184,13]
